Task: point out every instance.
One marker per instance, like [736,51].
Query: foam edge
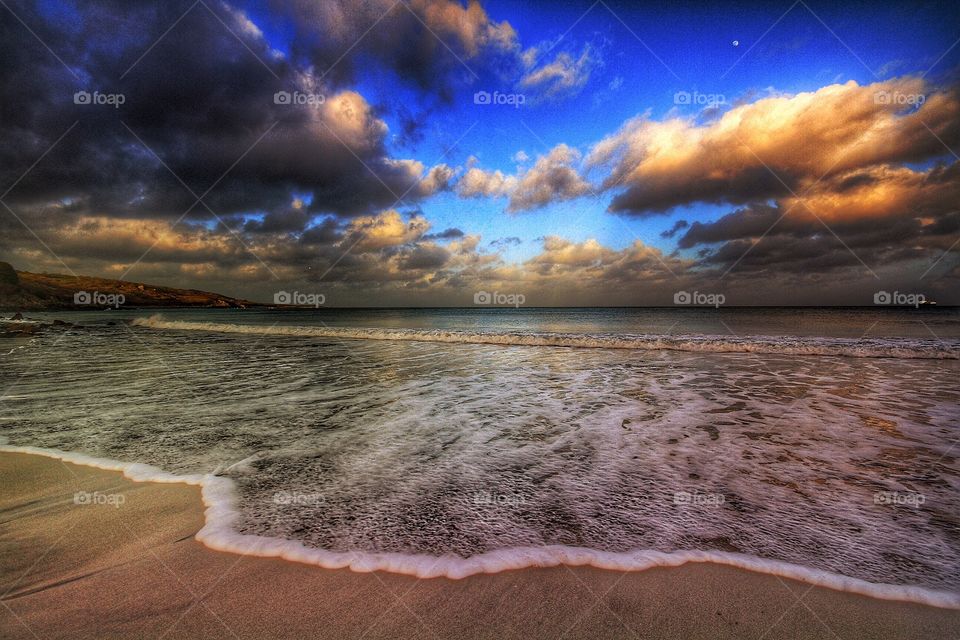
[217,533]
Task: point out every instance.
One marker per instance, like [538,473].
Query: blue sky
[698,54]
[600,84]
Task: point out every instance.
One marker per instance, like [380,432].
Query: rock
[9,280]
[19,329]
[8,275]
[17,316]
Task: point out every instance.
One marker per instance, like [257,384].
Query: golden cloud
[772,146]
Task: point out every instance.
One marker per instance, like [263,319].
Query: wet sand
[131,568]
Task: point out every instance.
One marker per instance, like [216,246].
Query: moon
[736,43]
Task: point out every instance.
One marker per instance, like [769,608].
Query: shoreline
[217,534]
[719,344]
[135,568]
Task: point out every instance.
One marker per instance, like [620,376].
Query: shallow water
[811,456]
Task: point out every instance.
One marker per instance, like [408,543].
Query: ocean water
[820,444]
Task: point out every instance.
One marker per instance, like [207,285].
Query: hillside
[25,291]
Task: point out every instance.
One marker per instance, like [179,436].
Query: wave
[217,533]
[787,345]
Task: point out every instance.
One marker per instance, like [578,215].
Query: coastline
[855,348]
[217,533]
[136,569]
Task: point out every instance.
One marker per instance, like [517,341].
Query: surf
[217,533]
[906,348]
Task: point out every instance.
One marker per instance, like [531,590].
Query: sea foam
[219,497]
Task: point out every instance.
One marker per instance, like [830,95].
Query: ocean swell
[847,347]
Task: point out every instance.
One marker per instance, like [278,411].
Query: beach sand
[135,571]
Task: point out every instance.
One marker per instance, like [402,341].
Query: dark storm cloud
[414,38]
[678,226]
[199,98]
[784,255]
[283,221]
[747,222]
[312,188]
[327,232]
[425,257]
[880,217]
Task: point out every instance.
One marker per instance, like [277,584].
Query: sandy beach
[463,319]
[130,568]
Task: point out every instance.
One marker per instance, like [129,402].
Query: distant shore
[25,291]
[121,562]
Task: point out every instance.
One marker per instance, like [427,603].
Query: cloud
[499,243]
[477,182]
[426,256]
[294,219]
[326,232]
[202,114]
[564,76]
[117,241]
[560,252]
[774,145]
[446,234]
[437,179]
[469,26]
[882,216]
[678,226]
[311,188]
[391,258]
[552,178]
[202,119]
[440,46]
[590,266]
[386,229]
[414,39]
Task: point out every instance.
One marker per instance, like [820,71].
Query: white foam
[219,497]
[863,348]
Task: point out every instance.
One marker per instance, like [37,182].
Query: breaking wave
[912,348]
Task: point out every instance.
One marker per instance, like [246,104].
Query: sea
[818,444]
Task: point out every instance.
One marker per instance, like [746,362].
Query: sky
[417,153]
